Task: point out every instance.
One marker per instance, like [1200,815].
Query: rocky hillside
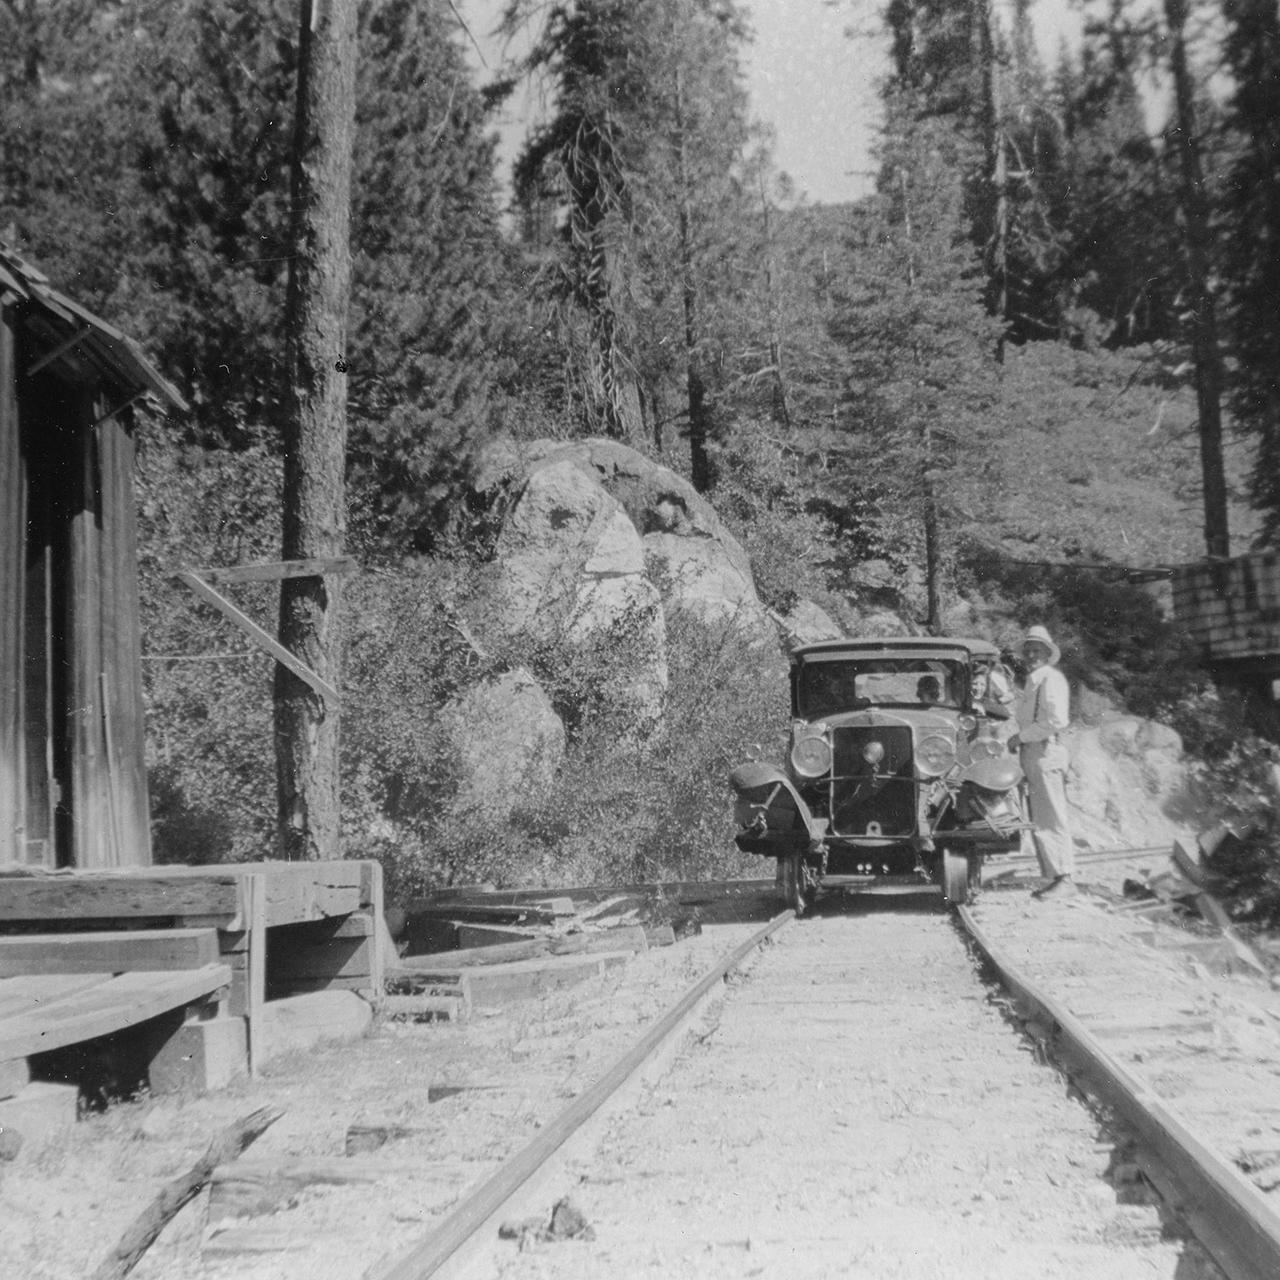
[600,548]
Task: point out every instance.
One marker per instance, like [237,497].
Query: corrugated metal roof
[75,339]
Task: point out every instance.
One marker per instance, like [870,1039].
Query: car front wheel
[796,891]
[961,877]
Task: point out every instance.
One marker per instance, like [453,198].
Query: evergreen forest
[1043,353]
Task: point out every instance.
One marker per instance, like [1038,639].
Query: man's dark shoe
[1058,887]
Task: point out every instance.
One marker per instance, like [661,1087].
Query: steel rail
[487,1200]
[1224,1210]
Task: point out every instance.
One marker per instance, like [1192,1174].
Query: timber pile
[460,948]
[1179,903]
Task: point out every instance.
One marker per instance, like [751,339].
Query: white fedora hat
[1039,635]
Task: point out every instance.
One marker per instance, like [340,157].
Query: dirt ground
[859,1107]
[66,1201]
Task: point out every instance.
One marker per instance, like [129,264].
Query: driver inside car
[929,690]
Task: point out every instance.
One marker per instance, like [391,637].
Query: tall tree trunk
[781,409]
[1205,350]
[695,383]
[315,434]
[928,492]
[997,174]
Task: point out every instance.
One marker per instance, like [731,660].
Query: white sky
[813,75]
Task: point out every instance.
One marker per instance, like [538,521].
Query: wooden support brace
[261,638]
[276,570]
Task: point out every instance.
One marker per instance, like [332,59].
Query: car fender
[993,773]
[772,815]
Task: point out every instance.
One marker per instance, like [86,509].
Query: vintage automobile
[898,770]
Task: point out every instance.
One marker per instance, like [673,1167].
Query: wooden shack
[1231,610]
[73,789]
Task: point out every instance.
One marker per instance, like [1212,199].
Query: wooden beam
[61,349]
[148,1225]
[277,570]
[120,1002]
[107,952]
[256,994]
[100,897]
[261,638]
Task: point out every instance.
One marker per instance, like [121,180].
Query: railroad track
[808,1133]
[861,1096]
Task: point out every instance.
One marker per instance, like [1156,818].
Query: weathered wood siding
[1231,608]
[12,542]
[73,788]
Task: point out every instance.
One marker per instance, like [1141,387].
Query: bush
[657,807]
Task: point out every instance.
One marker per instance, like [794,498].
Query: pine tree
[644,148]
[586,156]
[1252,258]
[211,90]
[1203,323]
[67,195]
[918,341]
[430,304]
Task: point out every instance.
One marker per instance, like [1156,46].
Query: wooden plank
[109,896]
[24,995]
[373,905]
[122,1001]
[335,958]
[1213,911]
[107,952]
[521,978]
[557,906]
[262,639]
[1188,863]
[425,1008]
[256,988]
[483,912]
[277,570]
[294,899]
[498,953]
[478,936]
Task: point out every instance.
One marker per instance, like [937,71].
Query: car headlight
[934,756]
[811,755]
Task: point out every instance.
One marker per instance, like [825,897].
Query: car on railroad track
[897,772]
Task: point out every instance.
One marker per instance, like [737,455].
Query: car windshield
[825,688]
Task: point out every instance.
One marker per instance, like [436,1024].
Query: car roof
[879,645]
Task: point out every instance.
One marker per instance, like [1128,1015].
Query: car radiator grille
[873,800]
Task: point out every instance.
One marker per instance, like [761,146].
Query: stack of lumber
[463,948]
